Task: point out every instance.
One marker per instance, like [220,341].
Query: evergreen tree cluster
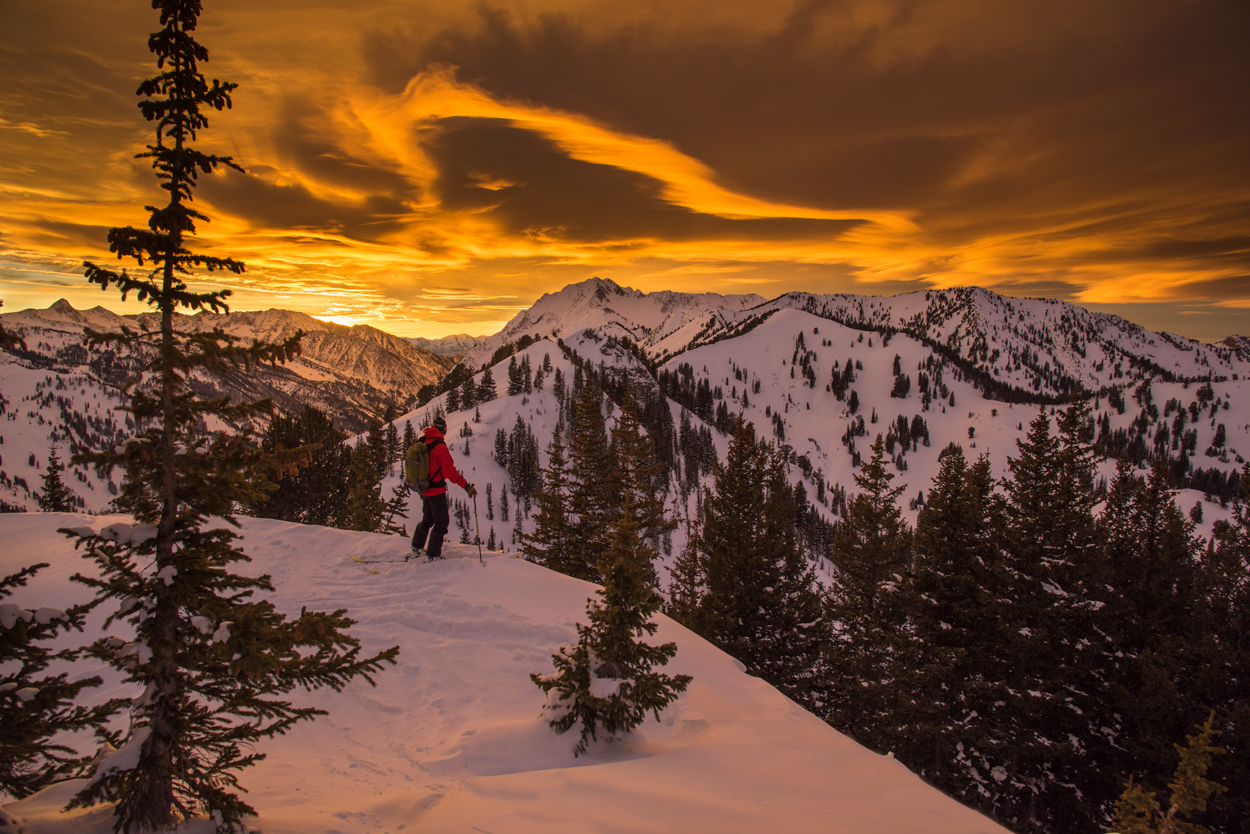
[517,452]
[578,497]
[315,492]
[744,583]
[596,511]
[1027,648]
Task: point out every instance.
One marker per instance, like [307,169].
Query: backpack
[417,466]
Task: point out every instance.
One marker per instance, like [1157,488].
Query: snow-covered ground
[451,740]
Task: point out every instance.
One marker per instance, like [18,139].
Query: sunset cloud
[435,167]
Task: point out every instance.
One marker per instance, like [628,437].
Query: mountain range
[456,345]
[352,373]
[927,369]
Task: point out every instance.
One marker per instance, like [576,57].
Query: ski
[418,560]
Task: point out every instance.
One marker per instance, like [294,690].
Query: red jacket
[441,467]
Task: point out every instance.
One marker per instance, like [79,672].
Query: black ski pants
[434,522]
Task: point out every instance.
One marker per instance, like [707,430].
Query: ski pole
[479,531]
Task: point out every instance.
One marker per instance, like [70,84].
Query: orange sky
[433,168]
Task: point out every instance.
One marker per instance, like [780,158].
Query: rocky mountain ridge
[352,373]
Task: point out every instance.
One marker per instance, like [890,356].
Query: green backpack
[417,466]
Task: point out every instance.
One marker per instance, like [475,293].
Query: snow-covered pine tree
[592,494]
[211,661]
[55,497]
[35,708]
[870,547]
[606,682]
[553,544]
[744,584]
[940,626]
[1055,646]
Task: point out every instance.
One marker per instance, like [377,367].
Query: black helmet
[440,424]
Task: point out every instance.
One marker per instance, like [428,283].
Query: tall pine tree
[1055,645]
[315,491]
[553,544]
[937,691]
[211,661]
[593,492]
[744,583]
[366,509]
[870,547]
[55,497]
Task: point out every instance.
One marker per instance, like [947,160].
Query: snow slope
[451,739]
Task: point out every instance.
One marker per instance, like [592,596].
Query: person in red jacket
[434,515]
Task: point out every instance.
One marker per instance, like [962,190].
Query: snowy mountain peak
[606,307]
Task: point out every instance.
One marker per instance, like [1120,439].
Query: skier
[434,515]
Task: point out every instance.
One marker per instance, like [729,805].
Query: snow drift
[451,739]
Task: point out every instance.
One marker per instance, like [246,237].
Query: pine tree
[35,708]
[396,509]
[592,492]
[554,544]
[793,640]
[607,682]
[365,506]
[211,661]
[486,387]
[55,497]
[1152,563]
[392,438]
[940,704]
[1138,810]
[1055,639]
[515,383]
[1221,671]
[744,584]
[315,491]
[468,395]
[637,471]
[871,546]
[874,541]
[410,437]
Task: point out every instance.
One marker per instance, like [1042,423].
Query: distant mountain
[1034,346]
[457,345]
[352,373]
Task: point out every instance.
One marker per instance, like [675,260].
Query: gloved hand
[472,490]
